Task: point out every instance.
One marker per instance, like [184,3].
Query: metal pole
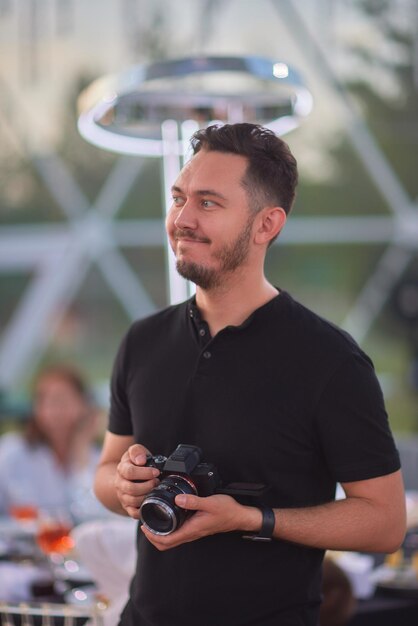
[177,286]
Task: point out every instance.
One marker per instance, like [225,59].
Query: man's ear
[270,222]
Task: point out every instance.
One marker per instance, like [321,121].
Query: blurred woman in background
[50,465]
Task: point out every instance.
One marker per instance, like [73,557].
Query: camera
[184,473]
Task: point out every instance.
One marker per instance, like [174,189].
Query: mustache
[185,233]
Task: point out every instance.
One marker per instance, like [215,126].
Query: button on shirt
[200,326]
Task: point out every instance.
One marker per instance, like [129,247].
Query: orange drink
[23,512]
[54,537]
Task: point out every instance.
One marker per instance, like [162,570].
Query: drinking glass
[53,535]
[55,543]
[23,513]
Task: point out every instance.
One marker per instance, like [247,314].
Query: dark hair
[338,601]
[70,375]
[271,176]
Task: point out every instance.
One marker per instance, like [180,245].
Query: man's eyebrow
[210,192]
[201,192]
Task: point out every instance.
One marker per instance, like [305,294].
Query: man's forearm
[351,524]
[104,487]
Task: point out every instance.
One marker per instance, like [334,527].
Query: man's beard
[230,258]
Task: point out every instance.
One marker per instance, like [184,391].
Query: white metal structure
[109,107]
[59,256]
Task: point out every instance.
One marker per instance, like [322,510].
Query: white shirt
[30,474]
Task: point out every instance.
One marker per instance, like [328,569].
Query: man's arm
[372,518]
[120,464]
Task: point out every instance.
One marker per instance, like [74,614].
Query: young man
[269,391]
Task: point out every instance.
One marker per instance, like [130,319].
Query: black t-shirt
[286,399]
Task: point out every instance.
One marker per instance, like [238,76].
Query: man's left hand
[214,514]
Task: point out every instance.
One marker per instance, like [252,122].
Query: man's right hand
[132,468]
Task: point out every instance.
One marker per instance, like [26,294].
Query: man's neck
[232,303]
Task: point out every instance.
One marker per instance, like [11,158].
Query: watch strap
[267,526]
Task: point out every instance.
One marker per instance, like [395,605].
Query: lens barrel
[159,513]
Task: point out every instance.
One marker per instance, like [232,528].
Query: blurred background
[82,244]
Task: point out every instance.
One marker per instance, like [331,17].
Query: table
[382,610]
[32,591]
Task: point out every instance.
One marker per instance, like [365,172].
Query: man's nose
[186,218]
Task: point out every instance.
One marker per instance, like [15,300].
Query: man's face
[209,223]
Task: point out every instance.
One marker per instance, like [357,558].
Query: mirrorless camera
[184,473]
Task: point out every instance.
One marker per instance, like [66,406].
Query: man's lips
[187,238]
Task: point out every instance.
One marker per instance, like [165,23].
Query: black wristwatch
[267,526]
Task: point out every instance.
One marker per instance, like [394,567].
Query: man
[269,391]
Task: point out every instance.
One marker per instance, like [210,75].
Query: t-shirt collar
[196,317]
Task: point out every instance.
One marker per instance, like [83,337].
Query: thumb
[191,503]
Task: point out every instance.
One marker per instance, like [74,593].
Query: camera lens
[158,517]
[159,513]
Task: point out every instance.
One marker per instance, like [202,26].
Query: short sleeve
[120,422]
[353,425]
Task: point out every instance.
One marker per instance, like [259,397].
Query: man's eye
[208,204]
[177,200]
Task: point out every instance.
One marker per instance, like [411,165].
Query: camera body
[184,473]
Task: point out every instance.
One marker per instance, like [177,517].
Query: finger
[160,542]
[132,512]
[131,502]
[138,454]
[132,488]
[187,533]
[129,471]
[192,503]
